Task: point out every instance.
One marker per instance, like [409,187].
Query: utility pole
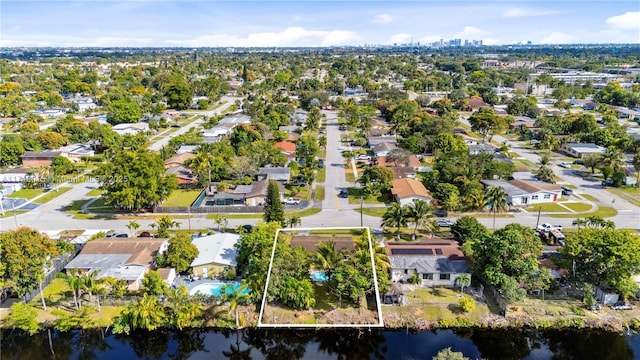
[538,221]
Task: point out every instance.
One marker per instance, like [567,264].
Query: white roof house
[131,128]
[217,249]
[581,150]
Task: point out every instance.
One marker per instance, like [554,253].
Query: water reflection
[309,344]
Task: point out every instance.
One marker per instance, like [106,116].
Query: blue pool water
[318,276]
[215,289]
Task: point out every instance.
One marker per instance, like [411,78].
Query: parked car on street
[291,201]
[441,213]
[566,191]
[343,194]
[444,222]
[363,157]
[565,164]
[546,227]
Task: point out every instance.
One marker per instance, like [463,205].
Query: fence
[207,209]
[498,298]
[58,264]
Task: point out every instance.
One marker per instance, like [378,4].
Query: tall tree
[497,198]
[327,258]
[273,208]
[181,252]
[395,215]
[420,213]
[178,95]
[133,226]
[153,284]
[25,253]
[147,314]
[135,180]
[165,223]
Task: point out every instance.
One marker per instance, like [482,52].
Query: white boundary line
[375,285]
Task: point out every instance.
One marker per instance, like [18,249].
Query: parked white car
[546,227]
[565,164]
[291,201]
[363,157]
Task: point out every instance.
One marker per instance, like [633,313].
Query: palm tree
[464,280]
[327,258]
[91,283]
[636,166]
[591,161]
[497,198]
[133,226]
[147,314]
[395,215]
[221,221]
[75,283]
[235,296]
[294,221]
[545,173]
[611,158]
[380,258]
[421,215]
[165,223]
[183,309]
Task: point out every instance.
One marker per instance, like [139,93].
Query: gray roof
[242,189]
[275,173]
[216,249]
[228,196]
[480,147]
[510,189]
[429,264]
[98,261]
[586,147]
[124,272]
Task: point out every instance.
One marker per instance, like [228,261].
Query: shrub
[467,304]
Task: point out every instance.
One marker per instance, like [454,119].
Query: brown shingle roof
[403,188]
[535,186]
[142,250]
[448,248]
[40,154]
[179,159]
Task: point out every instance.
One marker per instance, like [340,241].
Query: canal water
[325,344]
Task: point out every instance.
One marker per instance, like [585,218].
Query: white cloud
[557,37]
[471,33]
[627,21]
[401,38]
[293,36]
[382,19]
[516,12]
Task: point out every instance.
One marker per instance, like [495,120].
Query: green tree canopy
[181,252]
[135,180]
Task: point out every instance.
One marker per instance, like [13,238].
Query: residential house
[414,162]
[83,103]
[38,158]
[469,140]
[406,190]
[255,193]
[281,174]
[216,252]
[437,262]
[627,114]
[480,148]
[178,159]
[184,175]
[15,176]
[187,149]
[403,172]
[76,152]
[373,140]
[217,132]
[310,242]
[525,192]
[171,113]
[523,123]
[126,259]
[288,149]
[50,113]
[130,128]
[226,199]
[383,149]
[581,150]
[476,103]
[235,119]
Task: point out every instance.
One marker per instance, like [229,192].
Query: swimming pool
[318,276]
[215,288]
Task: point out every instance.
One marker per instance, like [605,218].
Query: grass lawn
[630,194]
[588,197]
[27,193]
[603,212]
[52,194]
[321,175]
[9,212]
[305,212]
[182,197]
[373,211]
[354,197]
[579,207]
[95,192]
[236,216]
[319,193]
[350,177]
[547,207]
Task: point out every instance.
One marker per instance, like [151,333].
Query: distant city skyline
[281,23]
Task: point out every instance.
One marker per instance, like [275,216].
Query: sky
[282,23]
